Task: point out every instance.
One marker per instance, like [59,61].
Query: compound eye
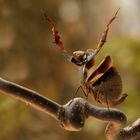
[85,58]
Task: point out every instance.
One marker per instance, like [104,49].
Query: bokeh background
[29,57]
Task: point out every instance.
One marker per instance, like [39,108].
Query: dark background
[28,57]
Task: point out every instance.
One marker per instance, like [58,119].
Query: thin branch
[130,132]
[72,115]
[29,97]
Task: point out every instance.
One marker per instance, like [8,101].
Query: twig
[73,114]
[29,97]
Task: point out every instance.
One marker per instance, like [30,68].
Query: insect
[104,83]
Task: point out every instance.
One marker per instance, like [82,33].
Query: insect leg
[105,33]
[85,92]
[98,96]
[57,39]
[98,93]
[107,102]
[77,93]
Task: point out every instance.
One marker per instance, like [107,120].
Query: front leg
[105,33]
[57,39]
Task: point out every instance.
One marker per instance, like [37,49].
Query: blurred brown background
[28,57]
